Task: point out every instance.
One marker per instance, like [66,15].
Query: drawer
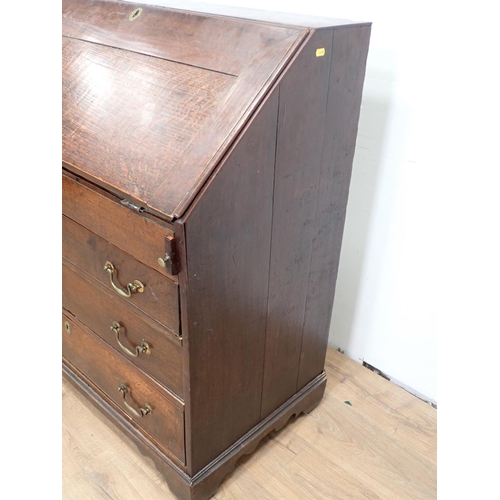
[159,415]
[124,328]
[89,252]
[133,233]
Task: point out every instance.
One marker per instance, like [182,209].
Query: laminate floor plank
[369,454]
[380,447]
[253,470]
[405,417]
[97,454]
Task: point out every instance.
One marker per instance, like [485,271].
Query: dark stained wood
[172,262]
[108,370]
[177,479]
[297,174]
[160,298]
[264,16]
[206,482]
[204,485]
[227,291]
[133,233]
[180,236]
[182,118]
[184,37]
[349,54]
[163,103]
[236,108]
[226,145]
[98,308]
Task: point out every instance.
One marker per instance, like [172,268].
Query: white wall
[384,312]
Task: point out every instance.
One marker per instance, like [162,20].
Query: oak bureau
[206,166]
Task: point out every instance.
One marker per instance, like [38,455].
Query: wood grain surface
[104,215]
[227,282]
[89,252]
[163,104]
[238,136]
[105,368]
[348,60]
[190,38]
[296,179]
[382,447]
[152,75]
[97,308]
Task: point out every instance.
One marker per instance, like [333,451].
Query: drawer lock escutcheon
[135,287]
[141,412]
[135,14]
[144,348]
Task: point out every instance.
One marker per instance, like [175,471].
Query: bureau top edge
[248,14]
[251,14]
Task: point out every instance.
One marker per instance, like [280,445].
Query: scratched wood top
[151,105]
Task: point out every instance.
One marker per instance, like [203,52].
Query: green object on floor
[348,403]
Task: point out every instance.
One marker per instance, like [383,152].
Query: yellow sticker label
[320,52]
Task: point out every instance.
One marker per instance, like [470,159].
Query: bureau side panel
[302,110]
[227,238]
[350,49]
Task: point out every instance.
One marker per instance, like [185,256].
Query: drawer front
[139,338]
[89,252]
[152,410]
[146,240]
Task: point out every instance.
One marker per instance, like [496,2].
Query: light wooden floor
[381,447]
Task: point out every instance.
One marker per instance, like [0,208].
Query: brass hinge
[130,205]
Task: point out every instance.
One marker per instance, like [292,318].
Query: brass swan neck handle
[144,348]
[141,412]
[135,287]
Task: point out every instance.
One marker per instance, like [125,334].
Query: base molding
[205,483]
